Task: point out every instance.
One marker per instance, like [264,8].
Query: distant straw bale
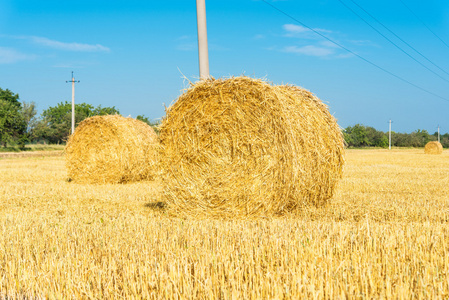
[240,146]
[433,148]
[111,149]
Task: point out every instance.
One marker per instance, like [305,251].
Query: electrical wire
[393,43]
[353,53]
[416,16]
[375,19]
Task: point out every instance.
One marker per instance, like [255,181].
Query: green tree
[365,136]
[12,123]
[382,142]
[356,136]
[153,124]
[376,138]
[56,122]
[29,113]
[420,138]
[444,139]
[101,111]
[10,97]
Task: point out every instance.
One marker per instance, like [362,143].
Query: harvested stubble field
[384,235]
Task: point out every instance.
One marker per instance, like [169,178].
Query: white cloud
[312,44]
[69,46]
[9,56]
[309,50]
[292,28]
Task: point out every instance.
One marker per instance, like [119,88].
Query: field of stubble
[384,235]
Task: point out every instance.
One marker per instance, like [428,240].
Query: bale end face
[111,149]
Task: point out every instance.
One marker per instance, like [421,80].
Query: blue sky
[133,54]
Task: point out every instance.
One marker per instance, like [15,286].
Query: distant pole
[438,133]
[73,101]
[389,137]
[203,53]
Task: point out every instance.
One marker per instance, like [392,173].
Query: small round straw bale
[433,148]
[111,149]
[240,146]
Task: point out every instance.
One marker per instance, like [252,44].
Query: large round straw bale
[318,143]
[240,146]
[111,149]
[433,148]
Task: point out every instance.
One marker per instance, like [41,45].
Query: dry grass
[111,149]
[242,147]
[384,235]
[32,154]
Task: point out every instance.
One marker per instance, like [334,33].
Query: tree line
[20,125]
[359,136]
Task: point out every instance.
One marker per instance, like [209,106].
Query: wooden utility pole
[73,101]
[203,53]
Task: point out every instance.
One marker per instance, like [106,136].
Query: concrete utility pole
[389,137]
[438,133]
[73,101]
[203,53]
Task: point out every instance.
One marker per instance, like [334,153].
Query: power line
[393,43]
[428,28]
[353,53]
[422,55]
